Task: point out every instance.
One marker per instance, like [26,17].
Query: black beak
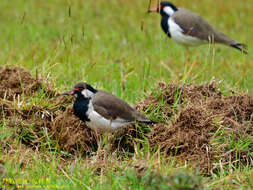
[69,93]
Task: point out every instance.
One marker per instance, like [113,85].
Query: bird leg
[110,122]
[108,136]
[99,141]
[188,53]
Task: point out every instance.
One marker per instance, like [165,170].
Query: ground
[201,97]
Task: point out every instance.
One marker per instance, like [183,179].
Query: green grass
[102,42]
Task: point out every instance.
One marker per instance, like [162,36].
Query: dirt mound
[72,134]
[31,123]
[187,137]
[51,125]
[16,81]
[197,120]
[167,97]
[197,123]
[126,140]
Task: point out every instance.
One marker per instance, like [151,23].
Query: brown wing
[194,25]
[111,107]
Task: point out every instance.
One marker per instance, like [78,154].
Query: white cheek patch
[87,93]
[168,10]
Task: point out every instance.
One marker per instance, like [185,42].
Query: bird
[102,111]
[190,29]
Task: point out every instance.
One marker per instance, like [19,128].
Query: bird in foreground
[190,29]
[102,111]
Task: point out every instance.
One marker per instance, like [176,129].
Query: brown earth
[15,81]
[72,134]
[202,125]
[197,123]
[35,122]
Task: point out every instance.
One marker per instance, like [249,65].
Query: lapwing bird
[190,29]
[103,111]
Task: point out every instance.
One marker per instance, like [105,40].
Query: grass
[116,46]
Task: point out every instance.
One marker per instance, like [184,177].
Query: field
[202,97]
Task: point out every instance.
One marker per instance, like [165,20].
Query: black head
[165,9]
[82,89]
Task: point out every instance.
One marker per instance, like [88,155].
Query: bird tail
[141,118]
[148,121]
[241,47]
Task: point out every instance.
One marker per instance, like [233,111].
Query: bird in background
[190,29]
[102,111]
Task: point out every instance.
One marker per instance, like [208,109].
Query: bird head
[164,8]
[81,89]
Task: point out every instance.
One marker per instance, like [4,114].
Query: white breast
[177,35]
[98,122]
